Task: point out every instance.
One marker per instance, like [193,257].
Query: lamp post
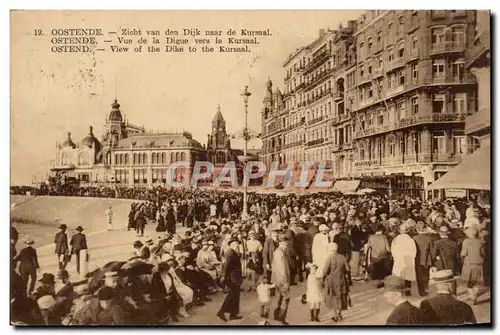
[245,158]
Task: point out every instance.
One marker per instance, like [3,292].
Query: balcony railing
[316,120]
[465,78]
[411,121]
[446,158]
[423,157]
[314,82]
[344,116]
[446,47]
[293,145]
[338,96]
[395,64]
[315,142]
[317,60]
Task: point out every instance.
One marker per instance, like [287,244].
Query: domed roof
[115,114]
[68,142]
[91,140]
[218,116]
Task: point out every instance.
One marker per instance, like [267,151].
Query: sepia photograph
[229,168]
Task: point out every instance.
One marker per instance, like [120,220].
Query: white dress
[320,251]
[404,251]
[314,293]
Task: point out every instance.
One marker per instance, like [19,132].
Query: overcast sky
[52,93]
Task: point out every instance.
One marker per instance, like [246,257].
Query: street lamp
[245,158]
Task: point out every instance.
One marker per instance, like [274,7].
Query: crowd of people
[327,240]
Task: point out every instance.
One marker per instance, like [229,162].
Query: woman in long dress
[404,251]
[380,255]
[335,283]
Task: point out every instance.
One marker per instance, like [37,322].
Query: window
[438,142]
[401,51]
[414,105]
[391,80]
[460,103]
[341,136]
[362,151]
[361,51]
[390,55]
[361,71]
[361,94]
[370,120]
[369,44]
[64,159]
[83,159]
[370,92]
[438,69]
[380,120]
[370,68]
[414,73]
[458,70]
[459,143]
[414,43]
[401,109]
[401,23]
[438,103]
[437,35]
[458,35]
[401,77]
[392,146]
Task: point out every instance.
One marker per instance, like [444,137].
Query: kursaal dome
[90,140]
[115,114]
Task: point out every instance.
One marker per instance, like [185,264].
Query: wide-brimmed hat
[444,230]
[47,278]
[232,239]
[323,227]
[29,241]
[111,275]
[149,242]
[63,226]
[79,228]
[442,276]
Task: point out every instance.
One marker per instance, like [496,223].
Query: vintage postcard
[228,168]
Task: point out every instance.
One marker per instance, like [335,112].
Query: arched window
[83,159]
[163,158]
[172,157]
[116,159]
[183,156]
[177,156]
[126,159]
[64,159]
[144,158]
[220,158]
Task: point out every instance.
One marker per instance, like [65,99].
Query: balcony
[316,120]
[315,142]
[366,102]
[344,117]
[395,64]
[447,47]
[465,78]
[317,61]
[377,73]
[318,79]
[411,121]
[446,158]
[338,96]
[293,145]
[364,79]
[413,55]
[300,86]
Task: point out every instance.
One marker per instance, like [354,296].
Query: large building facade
[383,100]
[128,155]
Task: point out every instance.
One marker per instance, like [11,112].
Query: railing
[424,157]
[315,142]
[364,79]
[316,120]
[446,158]
[411,121]
[338,96]
[314,82]
[445,47]
[292,145]
[395,64]
[465,78]
[317,60]
[344,116]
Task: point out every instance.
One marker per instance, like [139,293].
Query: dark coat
[231,269]
[268,250]
[61,241]
[335,285]
[406,314]
[424,244]
[78,242]
[448,253]
[313,230]
[113,315]
[28,260]
[303,245]
[444,309]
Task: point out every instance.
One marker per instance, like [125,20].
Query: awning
[473,173]
[346,185]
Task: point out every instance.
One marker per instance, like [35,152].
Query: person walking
[379,253]
[335,282]
[232,278]
[27,265]
[281,278]
[404,251]
[62,249]
[109,217]
[472,270]
[78,242]
[424,243]
[446,255]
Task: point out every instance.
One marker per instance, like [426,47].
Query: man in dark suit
[268,248]
[404,313]
[78,242]
[27,265]
[302,244]
[281,279]
[61,241]
[232,277]
[446,254]
[424,244]
[444,308]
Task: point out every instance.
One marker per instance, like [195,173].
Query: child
[264,293]
[314,296]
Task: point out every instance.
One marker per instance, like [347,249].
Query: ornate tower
[218,145]
[115,125]
[268,101]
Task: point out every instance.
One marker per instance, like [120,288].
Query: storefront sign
[455,193]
